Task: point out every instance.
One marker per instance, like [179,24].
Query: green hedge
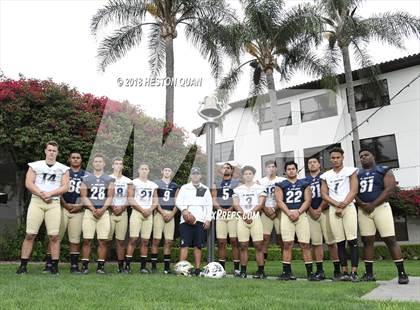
[10,244]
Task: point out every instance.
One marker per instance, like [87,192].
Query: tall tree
[345,29]
[162,18]
[272,38]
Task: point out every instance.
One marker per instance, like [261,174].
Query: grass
[113,291]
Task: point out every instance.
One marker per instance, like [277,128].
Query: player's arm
[323,205]
[209,209]
[236,205]
[64,188]
[325,194]
[389,188]
[216,204]
[130,193]
[261,203]
[175,210]
[65,205]
[278,193]
[110,195]
[354,184]
[155,200]
[307,200]
[84,197]
[30,183]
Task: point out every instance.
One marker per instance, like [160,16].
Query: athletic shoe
[167,271]
[85,270]
[243,275]
[127,269]
[259,275]
[54,271]
[344,277]
[337,276]
[354,277]
[74,270]
[47,269]
[367,278]
[237,273]
[197,272]
[120,270]
[286,277]
[321,275]
[144,271]
[100,271]
[21,270]
[403,278]
[313,277]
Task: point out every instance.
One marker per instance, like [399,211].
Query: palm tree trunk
[169,51]
[351,103]
[273,107]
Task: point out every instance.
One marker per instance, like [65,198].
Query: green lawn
[113,291]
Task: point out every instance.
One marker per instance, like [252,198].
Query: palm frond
[393,27]
[156,50]
[116,45]
[118,11]
[258,87]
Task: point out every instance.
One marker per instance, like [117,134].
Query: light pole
[210,110]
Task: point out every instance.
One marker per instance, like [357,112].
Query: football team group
[321,208]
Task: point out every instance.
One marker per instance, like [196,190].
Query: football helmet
[183,268]
[214,270]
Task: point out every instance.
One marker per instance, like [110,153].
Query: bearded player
[376,184]
[46,180]
[226,223]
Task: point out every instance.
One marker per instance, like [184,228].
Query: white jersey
[120,190]
[338,183]
[270,186]
[48,178]
[249,196]
[143,192]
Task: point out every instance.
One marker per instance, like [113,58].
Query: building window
[318,107]
[285,156]
[385,150]
[368,96]
[284,112]
[223,151]
[323,155]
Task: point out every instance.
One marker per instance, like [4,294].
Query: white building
[313,119]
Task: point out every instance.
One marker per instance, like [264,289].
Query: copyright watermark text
[159,82]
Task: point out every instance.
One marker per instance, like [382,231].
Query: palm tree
[273,38]
[200,20]
[343,29]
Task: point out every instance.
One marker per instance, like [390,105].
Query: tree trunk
[351,103]
[274,112]
[169,51]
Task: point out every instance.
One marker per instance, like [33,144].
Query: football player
[293,196]
[72,213]
[96,192]
[270,217]
[376,184]
[123,188]
[163,221]
[339,188]
[141,220]
[225,222]
[248,201]
[319,222]
[195,203]
[47,180]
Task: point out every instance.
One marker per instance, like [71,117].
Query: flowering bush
[406,202]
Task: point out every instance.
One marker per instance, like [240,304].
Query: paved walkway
[391,290]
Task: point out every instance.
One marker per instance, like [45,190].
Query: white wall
[400,118]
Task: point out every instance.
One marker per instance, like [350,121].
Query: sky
[52,39]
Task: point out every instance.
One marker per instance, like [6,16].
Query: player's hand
[273,215]
[147,212]
[341,205]
[339,212]
[294,215]
[166,217]
[206,225]
[96,213]
[77,208]
[315,214]
[368,208]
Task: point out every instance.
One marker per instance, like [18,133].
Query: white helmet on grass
[214,270]
[183,268]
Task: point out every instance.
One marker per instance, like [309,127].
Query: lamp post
[210,110]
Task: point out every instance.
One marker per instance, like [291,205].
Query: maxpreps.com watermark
[159,82]
[234,215]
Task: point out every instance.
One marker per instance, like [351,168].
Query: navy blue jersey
[76,178]
[97,188]
[371,183]
[224,192]
[315,183]
[166,194]
[293,193]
